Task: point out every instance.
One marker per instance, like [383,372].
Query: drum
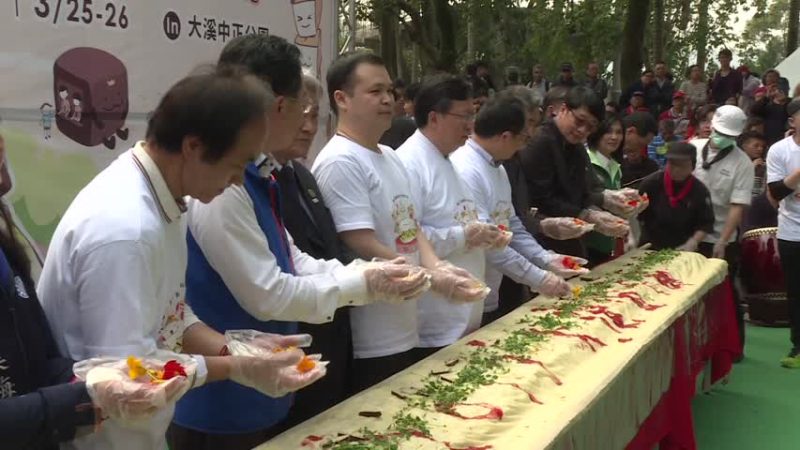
[762,277]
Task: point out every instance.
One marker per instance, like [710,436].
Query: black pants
[180,438]
[370,371]
[732,258]
[790,261]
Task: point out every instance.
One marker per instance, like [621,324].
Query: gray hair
[312,84]
[526,95]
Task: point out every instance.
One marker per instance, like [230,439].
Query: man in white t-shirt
[499,133]
[375,211]
[443,110]
[113,281]
[728,174]
[783,179]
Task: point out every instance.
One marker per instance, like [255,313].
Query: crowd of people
[434,209]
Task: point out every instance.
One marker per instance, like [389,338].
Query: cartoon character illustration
[308,14]
[48,115]
[63,102]
[501,215]
[466,212]
[77,109]
[405,224]
[97,83]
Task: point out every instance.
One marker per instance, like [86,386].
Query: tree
[791,33]
[762,45]
[632,58]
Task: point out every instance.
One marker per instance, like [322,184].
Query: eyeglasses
[464,117]
[304,102]
[590,126]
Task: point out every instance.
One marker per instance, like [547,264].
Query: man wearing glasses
[448,215]
[555,164]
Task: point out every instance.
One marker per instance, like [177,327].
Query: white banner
[79,77]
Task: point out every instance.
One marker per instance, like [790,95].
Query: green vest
[612,179]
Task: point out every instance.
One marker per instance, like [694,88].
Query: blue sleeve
[45,417]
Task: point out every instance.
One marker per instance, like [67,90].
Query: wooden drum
[762,277]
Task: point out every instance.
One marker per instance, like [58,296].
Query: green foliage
[761,45]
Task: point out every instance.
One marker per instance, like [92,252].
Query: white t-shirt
[488,183]
[367,190]
[783,159]
[446,206]
[729,180]
[113,280]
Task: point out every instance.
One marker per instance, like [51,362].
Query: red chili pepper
[476,343]
[667,280]
[172,369]
[502,228]
[633,203]
[569,263]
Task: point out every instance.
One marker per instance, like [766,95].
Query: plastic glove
[566,266]
[395,281]
[562,228]
[719,250]
[689,246]
[456,284]
[619,203]
[553,286]
[127,400]
[606,223]
[272,343]
[277,375]
[484,235]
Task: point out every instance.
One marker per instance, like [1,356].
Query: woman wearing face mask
[603,145]
[680,213]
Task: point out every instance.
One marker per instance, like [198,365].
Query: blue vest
[227,407]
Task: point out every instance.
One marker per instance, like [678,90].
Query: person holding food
[114,278]
[448,216]
[499,132]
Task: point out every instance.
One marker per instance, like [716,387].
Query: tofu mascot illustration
[307,17]
[91,93]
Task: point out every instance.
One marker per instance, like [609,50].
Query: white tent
[790,68]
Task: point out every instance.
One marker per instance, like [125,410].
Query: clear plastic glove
[484,235]
[553,286]
[607,223]
[279,374]
[719,250]
[566,266]
[619,203]
[238,340]
[689,246]
[395,281]
[457,284]
[135,400]
[562,228]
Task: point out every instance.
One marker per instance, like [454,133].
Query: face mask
[722,142]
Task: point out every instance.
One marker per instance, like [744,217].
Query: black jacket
[652,96]
[775,117]
[37,408]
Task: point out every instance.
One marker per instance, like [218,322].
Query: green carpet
[760,407]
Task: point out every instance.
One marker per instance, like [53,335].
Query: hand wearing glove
[606,223]
[484,235]
[619,203]
[258,340]
[129,400]
[394,281]
[456,284]
[562,228]
[689,246]
[553,286]
[566,266]
[719,250]
[277,375]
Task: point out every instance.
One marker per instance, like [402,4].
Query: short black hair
[647,70]
[725,52]
[480,88]
[340,73]
[642,121]
[555,96]
[581,96]
[669,123]
[211,106]
[500,114]
[602,129]
[747,135]
[269,57]
[436,94]
[683,148]
[412,90]
[753,121]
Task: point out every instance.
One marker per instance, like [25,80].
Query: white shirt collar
[428,144]
[603,159]
[171,208]
[483,153]
[267,164]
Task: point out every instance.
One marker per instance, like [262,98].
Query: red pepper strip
[530,394]
[476,343]
[588,340]
[637,299]
[624,339]
[522,360]
[667,280]
[494,413]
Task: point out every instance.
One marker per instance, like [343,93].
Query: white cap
[729,120]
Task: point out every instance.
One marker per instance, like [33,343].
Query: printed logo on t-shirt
[466,212]
[501,215]
[21,291]
[405,225]
[170,336]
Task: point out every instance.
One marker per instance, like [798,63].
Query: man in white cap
[728,174]
[783,179]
